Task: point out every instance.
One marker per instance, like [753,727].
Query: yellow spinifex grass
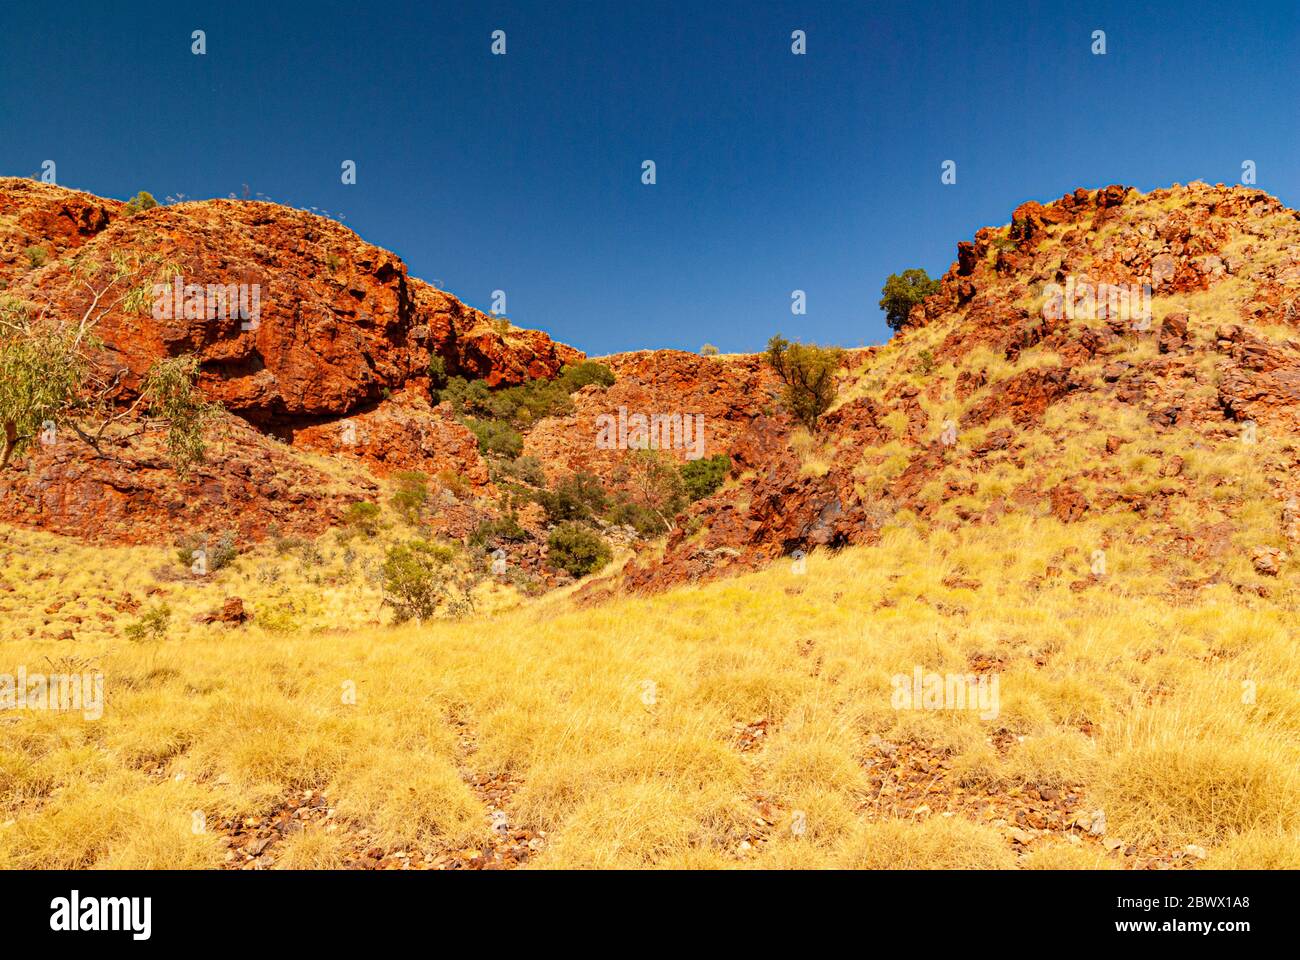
[1176,714]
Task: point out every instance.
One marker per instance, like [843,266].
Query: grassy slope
[228,721]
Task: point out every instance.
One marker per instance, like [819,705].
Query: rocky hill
[1177,408]
[1108,353]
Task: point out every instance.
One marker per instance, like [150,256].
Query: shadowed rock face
[983,380]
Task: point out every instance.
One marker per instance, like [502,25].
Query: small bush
[708,350]
[526,470]
[577,549]
[152,625]
[454,482]
[703,477]
[437,378]
[36,256]
[361,518]
[576,376]
[220,552]
[925,363]
[140,202]
[524,404]
[655,490]
[416,578]
[498,437]
[411,495]
[641,518]
[504,528]
[578,496]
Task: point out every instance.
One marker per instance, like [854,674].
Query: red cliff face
[720,395]
[303,331]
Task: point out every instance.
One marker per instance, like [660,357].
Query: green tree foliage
[418,577]
[808,372]
[703,477]
[496,437]
[577,549]
[655,491]
[362,518]
[42,368]
[904,291]
[411,494]
[172,394]
[577,497]
[140,202]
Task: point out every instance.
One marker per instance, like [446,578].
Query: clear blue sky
[775,171]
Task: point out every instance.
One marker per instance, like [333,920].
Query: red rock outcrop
[727,393]
[300,328]
[1192,379]
[51,219]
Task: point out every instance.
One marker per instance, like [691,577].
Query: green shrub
[524,469]
[925,363]
[437,378]
[902,292]
[576,376]
[220,552]
[524,404]
[708,350]
[642,519]
[703,477]
[577,549]
[152,625]
[454,482]
[808,372]
[140,202]
[503,528]
[411,494]
[361,517]
[578,496]
[36,256]
[417,578]
[498,437]
[654,485]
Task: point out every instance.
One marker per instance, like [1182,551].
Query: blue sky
[775,172]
